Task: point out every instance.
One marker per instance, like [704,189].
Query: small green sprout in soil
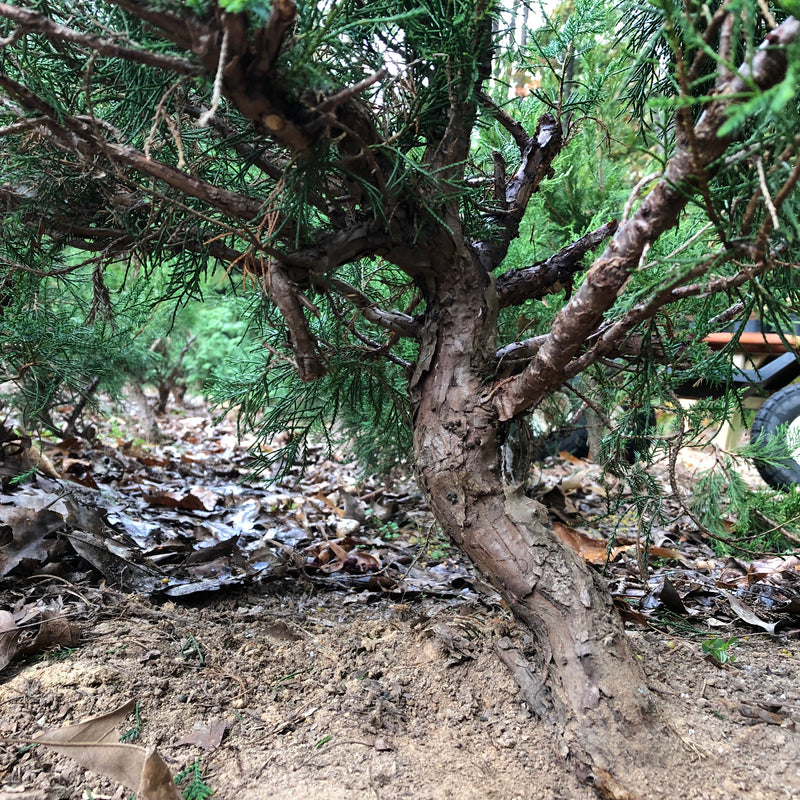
[133,732]
[196,788]
[719,650]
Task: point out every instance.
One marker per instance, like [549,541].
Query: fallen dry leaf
[9,638]
[207,736]
[747,615]
[574,481]
[94,744]
[334,556]
[595,551]
[760,714]
[54,631]
[196,499]
[29,528]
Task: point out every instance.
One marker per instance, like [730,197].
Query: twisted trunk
[586,682]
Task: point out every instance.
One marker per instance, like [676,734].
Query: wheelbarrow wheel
[782,409]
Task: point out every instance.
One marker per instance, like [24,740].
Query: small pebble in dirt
[505,741]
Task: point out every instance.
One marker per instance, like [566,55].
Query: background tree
[356,164]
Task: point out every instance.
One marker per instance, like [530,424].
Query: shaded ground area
[316,638]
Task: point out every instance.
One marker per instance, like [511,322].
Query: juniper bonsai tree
[358,164]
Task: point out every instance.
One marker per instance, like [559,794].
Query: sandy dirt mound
[323,696]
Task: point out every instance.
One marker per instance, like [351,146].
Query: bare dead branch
[216,92]
[537,157]
[39,23]
[395,321]
[350,92]
[516,286]
[286,297]
[723,284]
[656,214]
[518,133]
[790,184]
[762,182]
[726,316]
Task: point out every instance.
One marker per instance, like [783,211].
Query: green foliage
[207,337]
[61,654]
[743,519]
[719,650]
[195,786]
[94,323]
[58,337]
[133,733]
[434,546]
[360,402]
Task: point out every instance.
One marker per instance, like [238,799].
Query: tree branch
[286,297]
[537,157]
[86,142]
[274,167]
[658,212]
[253,85]
[516,286]
[335,100]
[268,40]
[395,321]
[514,357]
[515,128]
[376,349]
[611,337]
[38,23]
[284,293]
[261,101]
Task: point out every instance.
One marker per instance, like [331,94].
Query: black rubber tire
[783,407]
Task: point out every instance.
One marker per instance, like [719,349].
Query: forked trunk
[586,682]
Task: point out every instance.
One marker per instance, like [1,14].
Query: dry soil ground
[323,698]
[284,689]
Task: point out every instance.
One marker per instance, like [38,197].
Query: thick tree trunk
[589,685]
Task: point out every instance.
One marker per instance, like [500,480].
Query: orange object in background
[754,342]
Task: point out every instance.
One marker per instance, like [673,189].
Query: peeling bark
[516,286]
[585,681]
